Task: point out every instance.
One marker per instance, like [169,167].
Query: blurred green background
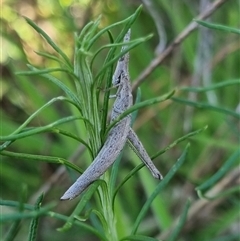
[206,57]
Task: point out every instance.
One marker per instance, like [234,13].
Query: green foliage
[62,101]
[218,27]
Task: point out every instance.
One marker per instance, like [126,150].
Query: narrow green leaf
[135,43]
[212,87]
[139,238]
[5,145]
[174,235]
[15,227]
[81,224]
[130,174]
[50,56]
[34,223]
[229,237]
[10,203]
[37,130]
[68,134]
[113,176]
[81,205]
[104,114]
[218,27]
[183,138]
[206,106]
[54,130]
[219,195]
[142,105]
[55,215]
[43,71]
[139,167]
[62,86]
[85,30]
[24,133]
[33,214]
[88,36]
[49,159]
[102,219]
[59,98]
[127,23]
[132,44]
[49,40]
[159,187]
[233,159]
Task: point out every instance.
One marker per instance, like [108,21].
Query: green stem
[108,213]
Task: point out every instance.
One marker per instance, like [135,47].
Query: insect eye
[119,79]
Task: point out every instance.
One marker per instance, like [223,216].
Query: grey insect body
[117,136]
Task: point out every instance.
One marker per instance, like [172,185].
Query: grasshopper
[118,135]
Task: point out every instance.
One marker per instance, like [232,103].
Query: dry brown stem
[190,28]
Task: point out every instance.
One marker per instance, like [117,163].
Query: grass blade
[135,43]
[43,71]
[212,87]
[181,223]
[139,167]
[127,23]
[41,129]
[10,203]
[141,105]
[139,238]
[49,159]
[234,158]
[49,40]
[79,208]
[14,229]
[159,187]
[183,138]
[62,86]
[33,214]
[218,27]
[35,221]
[206,106]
